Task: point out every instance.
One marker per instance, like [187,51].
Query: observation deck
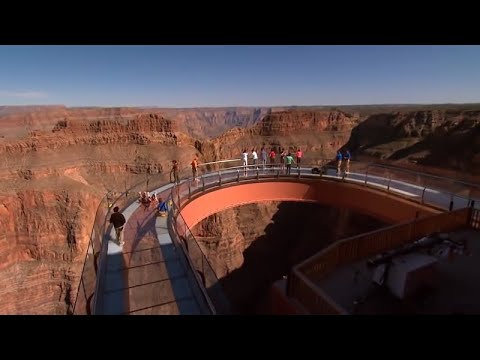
[161,269]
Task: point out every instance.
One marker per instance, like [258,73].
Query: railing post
[450,206]
[389,180]
[423,195]
[219,178]
[203,183]
[289,283]
[298,169]
[278,174]
[203,272]
[366,176]
[258,175]
[189,189]
[238,175]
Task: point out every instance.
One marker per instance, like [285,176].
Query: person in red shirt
[299,155]
[272,158]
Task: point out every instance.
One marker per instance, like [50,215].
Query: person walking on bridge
[118,221]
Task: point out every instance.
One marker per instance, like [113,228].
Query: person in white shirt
[245,161]
[254,156]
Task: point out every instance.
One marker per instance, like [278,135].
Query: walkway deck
[149,275]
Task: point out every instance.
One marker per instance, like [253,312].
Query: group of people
[174,171]
[285,156]
[147,199]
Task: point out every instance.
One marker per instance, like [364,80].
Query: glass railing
[83,297]
[442,192]
[205,275]
[418,187]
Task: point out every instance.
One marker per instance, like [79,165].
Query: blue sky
[190,76]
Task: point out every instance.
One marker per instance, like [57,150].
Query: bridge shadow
[144,227]
[297,231]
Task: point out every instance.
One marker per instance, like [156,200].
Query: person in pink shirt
[299,155]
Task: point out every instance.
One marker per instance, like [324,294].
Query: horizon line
[235,106]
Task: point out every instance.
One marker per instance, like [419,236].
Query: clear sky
[261,75]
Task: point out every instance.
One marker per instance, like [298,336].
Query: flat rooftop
[454,289]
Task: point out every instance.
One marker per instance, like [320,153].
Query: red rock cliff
[318,133]
[43,241]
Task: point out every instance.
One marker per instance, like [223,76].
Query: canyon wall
[318,133]
[448,139]
[42,247]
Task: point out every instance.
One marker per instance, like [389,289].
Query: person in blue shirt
[347,156]
[162,207]
[339,161]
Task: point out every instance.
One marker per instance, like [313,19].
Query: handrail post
[258,175]
[450,206]
[366,176]
[178,195]
[189,189]
[423,195]
[219,178]
[238,175]
[298,169]
[203,183]
[389,180]
[278,173]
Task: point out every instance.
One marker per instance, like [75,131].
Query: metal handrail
[423,174]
